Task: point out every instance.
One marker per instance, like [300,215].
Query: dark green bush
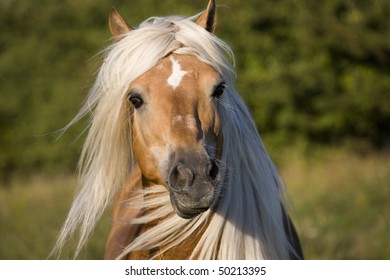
[316,72]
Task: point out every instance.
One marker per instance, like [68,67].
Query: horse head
[166,116]
[177,141]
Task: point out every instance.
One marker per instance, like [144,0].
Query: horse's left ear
[118,25]
[208,18]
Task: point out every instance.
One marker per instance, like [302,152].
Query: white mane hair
[247,223]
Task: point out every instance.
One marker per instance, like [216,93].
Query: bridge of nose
[186,129]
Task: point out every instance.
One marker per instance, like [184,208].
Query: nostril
[184,172]
[180,177]
[214,170]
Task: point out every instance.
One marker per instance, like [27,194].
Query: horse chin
[185,211]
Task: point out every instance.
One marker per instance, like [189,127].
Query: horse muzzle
[192,182]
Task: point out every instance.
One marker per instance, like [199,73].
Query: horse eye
[219,90]
[136,101]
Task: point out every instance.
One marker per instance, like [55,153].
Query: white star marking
[177,74]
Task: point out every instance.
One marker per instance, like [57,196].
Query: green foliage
[316,71]
[44,72]
[311,71]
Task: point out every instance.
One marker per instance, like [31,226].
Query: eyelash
[136,100]
[219,90]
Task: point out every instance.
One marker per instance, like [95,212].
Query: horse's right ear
[118,25]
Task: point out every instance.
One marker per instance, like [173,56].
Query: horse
[173,147]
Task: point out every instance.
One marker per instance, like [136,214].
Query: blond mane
[247,224]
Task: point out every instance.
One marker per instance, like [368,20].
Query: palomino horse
[172,144]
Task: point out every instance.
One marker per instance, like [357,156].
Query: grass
[31,214]
[340,204]
[341,201]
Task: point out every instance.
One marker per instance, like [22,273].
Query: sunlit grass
[340,203]
[31,214]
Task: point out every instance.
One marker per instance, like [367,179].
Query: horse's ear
[208,19]
[118,25]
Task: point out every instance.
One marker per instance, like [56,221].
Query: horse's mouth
[187,209]
[192,180]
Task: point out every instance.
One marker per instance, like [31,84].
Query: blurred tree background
[314,73]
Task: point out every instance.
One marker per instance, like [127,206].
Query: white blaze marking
[178,119]
[177,74]
[187,122]
[161,154]
[190,122]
